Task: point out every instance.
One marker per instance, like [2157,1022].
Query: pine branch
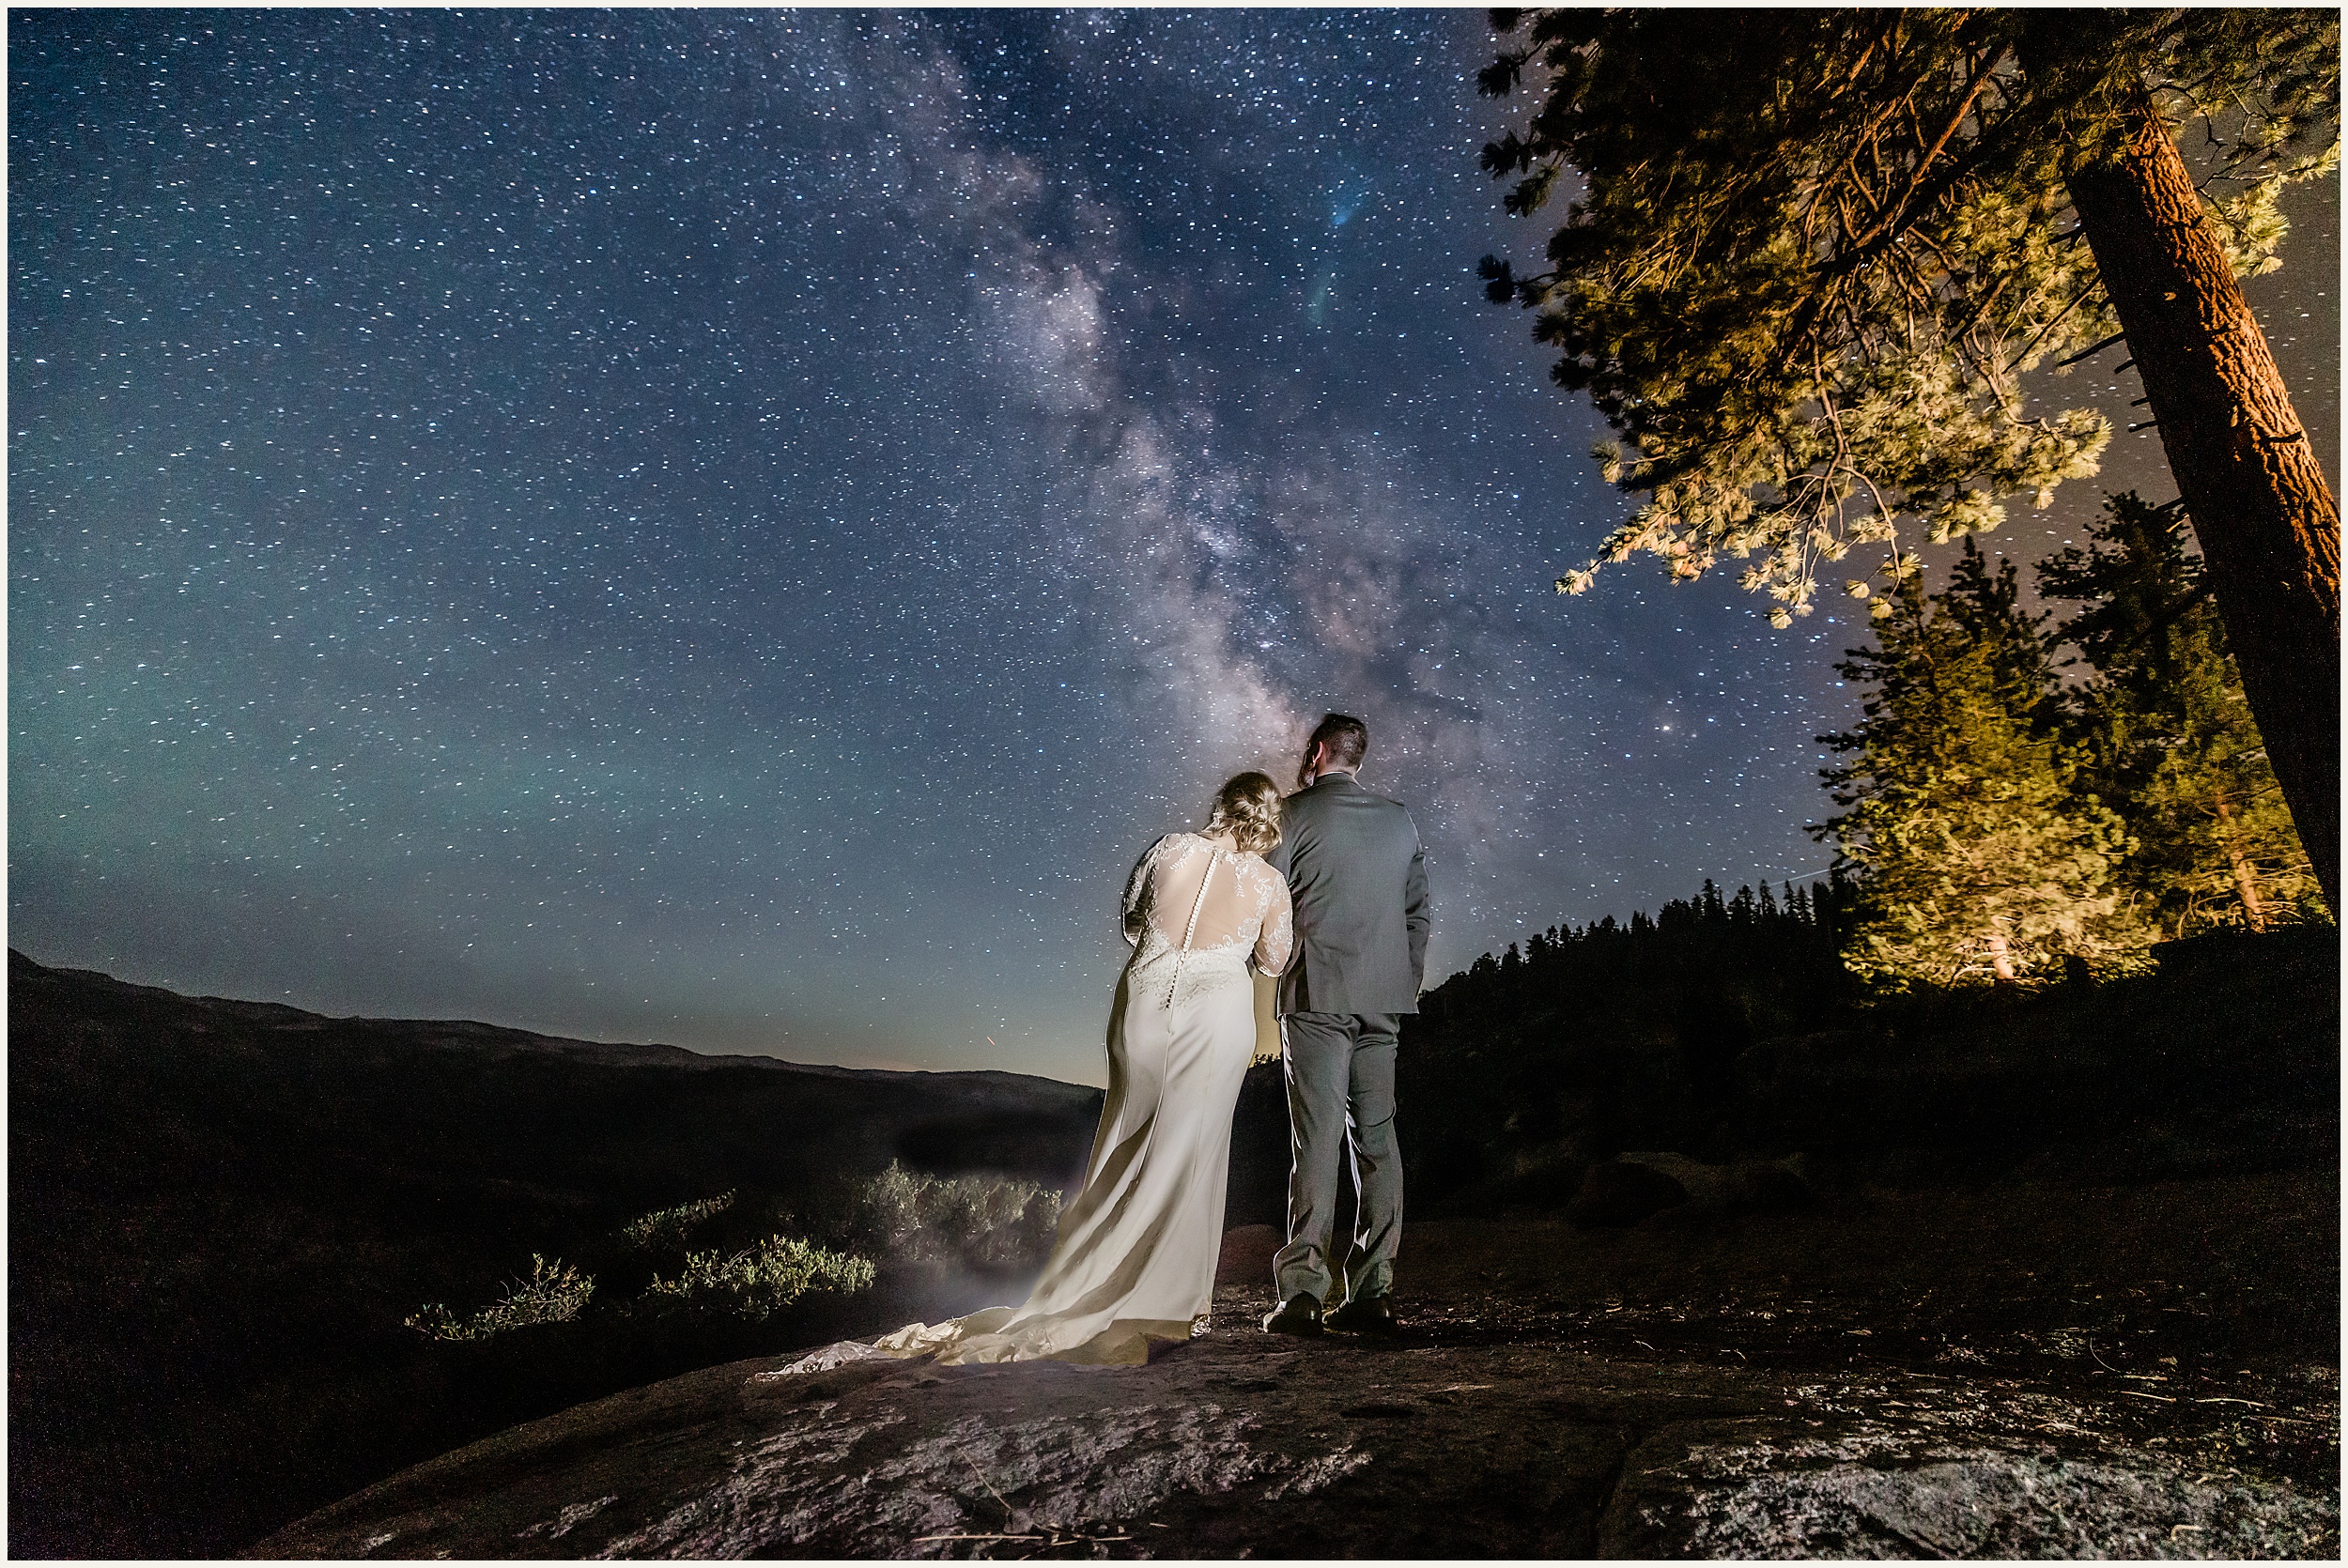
[2092,350]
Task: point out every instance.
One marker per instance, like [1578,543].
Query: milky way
[737,530]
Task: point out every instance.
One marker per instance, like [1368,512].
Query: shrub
[668,1227]
[761,1280]
[554,1293]
[900,1216]
[982,1221]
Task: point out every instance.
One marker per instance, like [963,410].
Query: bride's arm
[1136,905]
[1275,943]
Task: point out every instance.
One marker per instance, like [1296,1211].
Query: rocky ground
[2015,1370]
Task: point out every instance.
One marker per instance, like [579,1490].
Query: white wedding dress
[1137,1246]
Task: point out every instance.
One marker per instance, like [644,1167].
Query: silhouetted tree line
[1587,1040]
[1729,1027]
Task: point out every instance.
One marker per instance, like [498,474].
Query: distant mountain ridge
[472,1033]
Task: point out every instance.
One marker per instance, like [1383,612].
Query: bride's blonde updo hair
[1248,808]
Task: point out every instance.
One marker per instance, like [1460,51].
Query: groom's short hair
[1348,738]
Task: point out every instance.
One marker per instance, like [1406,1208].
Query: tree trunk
[2245,882]
[2268,526]
[2000,957]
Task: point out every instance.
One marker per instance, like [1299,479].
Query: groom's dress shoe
[1298,1314]
[1366,1316]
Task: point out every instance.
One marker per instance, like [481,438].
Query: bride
[1137,1246]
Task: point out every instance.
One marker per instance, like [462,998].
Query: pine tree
[2171,741]
[1813,251]
[1981,860]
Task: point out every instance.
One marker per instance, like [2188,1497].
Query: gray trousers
[1341,1080]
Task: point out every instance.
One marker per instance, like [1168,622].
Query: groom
[1357,879]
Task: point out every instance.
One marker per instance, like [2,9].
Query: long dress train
[1134,1261]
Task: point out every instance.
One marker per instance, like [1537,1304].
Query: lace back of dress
[1191,930]
[1226,903]
[1238,908]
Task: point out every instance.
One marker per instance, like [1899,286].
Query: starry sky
[737,530]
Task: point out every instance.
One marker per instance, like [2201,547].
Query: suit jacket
[1358,877]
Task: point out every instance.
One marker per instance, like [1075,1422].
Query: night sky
[737,530]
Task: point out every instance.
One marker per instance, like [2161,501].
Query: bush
[554,1293]
[761,1280]
[668,1227]
[979,1222]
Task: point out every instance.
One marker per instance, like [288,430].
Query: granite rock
[1511,1420]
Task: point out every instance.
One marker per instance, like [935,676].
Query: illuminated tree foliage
[1809,255]
[1981,859]
[2169,738]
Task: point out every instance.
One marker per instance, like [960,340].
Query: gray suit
[1357,879]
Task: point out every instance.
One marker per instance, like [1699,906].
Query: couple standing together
[1327,890]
